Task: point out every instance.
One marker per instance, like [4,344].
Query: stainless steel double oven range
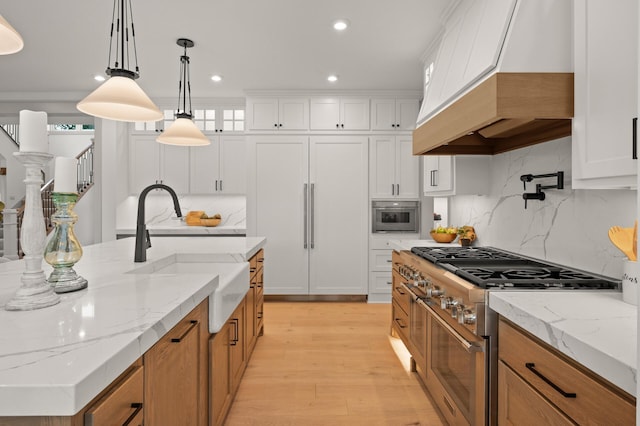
[440,310]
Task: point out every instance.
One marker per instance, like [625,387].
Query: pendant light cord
[120,17]
[184,86]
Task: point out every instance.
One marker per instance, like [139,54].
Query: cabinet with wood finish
[176,373]
[255,300]
[539,385]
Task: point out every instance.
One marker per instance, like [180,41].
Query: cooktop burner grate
[488,267]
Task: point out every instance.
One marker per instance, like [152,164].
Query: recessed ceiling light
[340,25]
[332,78]
[217,78]
[99,77]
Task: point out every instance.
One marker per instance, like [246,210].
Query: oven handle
[468,346]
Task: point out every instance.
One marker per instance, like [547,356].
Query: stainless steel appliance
[395,216]
[451,284]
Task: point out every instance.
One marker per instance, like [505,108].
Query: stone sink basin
[233,281]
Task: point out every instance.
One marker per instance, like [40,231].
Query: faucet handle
[148,238]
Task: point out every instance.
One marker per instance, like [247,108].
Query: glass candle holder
[63,249]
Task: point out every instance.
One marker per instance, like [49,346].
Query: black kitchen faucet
[141,228]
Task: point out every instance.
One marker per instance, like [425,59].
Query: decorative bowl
[441,237]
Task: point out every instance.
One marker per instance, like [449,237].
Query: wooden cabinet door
[338,174]
[407,168]
[172,370]
[382,168]
[250,303]
[606,92]
[238,348]
[220,387]
[233,165]
[520,405]
[204,167]
[121,403]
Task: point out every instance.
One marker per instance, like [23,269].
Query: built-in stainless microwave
[395,216]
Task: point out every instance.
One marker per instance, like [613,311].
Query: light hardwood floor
[328,364]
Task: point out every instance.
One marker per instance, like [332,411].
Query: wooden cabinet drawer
[400,322]
[551,373]
[520,405]
[400,294]
[256,262]
[121,404]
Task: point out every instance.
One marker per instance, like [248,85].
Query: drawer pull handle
[138,407]
[531,366]
[399,322]
[399,290]
[179,339]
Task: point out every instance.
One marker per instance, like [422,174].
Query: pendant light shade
[10,40]
[120,98]
[183,131]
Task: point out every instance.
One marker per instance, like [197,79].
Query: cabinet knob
[275,125]
[337,126]
[342,125]
[393,125]
[280,125]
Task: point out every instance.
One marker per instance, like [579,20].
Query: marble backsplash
[569,227]
[159,209]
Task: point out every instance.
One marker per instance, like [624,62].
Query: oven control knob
[448,302]
[467,316]
[434,291]
[456,310]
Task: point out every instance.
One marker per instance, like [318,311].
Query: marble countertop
[178,227]
[53,361]
[595,328]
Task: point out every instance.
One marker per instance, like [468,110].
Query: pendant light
[120,98]
[10,40]
[183,130]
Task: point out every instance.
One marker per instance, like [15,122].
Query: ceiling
[254,44]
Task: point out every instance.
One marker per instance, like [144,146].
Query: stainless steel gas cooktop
[488,267]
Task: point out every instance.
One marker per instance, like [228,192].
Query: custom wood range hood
[508,110]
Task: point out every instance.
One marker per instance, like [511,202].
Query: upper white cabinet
[469,50]
[393,169]
[339,113]
[219,168]
[460,175]
[394,114]
[152,162]
[278,113]
[606,91]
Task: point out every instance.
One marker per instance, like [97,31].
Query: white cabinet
[393,170]
[278,113]
[339,113]
[152,162]
[393,114]
[469,50]
[380,264]
[219,168]
[606,88]
[308,197]
[458,175]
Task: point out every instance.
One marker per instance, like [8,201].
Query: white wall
[568,227]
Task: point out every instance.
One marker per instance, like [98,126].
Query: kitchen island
[53,361]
